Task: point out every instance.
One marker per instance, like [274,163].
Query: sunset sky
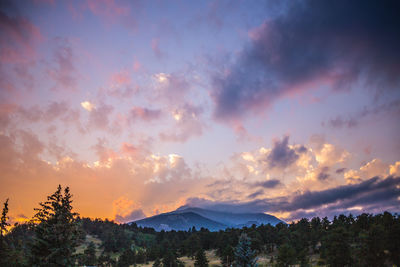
[291,108]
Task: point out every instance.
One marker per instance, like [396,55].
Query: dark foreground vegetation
[56,236]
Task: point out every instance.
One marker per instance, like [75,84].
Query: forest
[57,236]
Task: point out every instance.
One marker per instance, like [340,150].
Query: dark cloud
[373,195]
[256,194]
[323,175]
[311,43]
[341,170]
[352,120]
[282,155]
[269,183]
[345,193]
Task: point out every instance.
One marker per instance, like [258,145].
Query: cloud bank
[312,43]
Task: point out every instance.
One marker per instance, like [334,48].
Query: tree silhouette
[4,219]
[56,231]
[201,259]
[286,255]
[90,254]
[4,248]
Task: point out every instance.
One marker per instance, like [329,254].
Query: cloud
[126,210]
[323,175]
[144,114]
[307,46]
[395,169]
[256,194]
[129,149]
[55,111]
[121,78]
[63,71]
[352,120]
[366,196]
[19,41]
[120,86]
[170,88]
[187,124]
[133,216]
[373,168]
[99,116]
[282,155]
[330,154]
[141,181]
[88,105]
[272,183]
[18,36]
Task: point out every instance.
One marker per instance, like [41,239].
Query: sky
[290,108]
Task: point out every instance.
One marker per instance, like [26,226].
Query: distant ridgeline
[188,217]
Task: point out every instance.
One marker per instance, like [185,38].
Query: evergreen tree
[337,248]
[128,257]
[201,259]
[90,254]
[286,255]
[227,256]
[4,248]
[56,232]
[244,255]
[4,218]
[169,259]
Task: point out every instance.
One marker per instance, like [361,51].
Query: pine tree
[4,247]
[90,254]
[244,255]
[201,259]
[169,259]
[227,256]
[4,218]
[56,231]
[286,255]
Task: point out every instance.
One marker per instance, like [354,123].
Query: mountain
[235,220]
[180,221]
[186,217]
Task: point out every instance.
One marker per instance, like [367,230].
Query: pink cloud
[121,86]
[171,88]
[188,123]
[64,72]
[18,38]
[103,152]
[99,117]
[121,78]
[144,114]
[136,66]
[129,149]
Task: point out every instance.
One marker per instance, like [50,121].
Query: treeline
[52,237]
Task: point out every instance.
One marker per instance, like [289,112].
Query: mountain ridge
[186,217]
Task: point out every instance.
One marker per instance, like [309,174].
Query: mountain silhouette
[186,217]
